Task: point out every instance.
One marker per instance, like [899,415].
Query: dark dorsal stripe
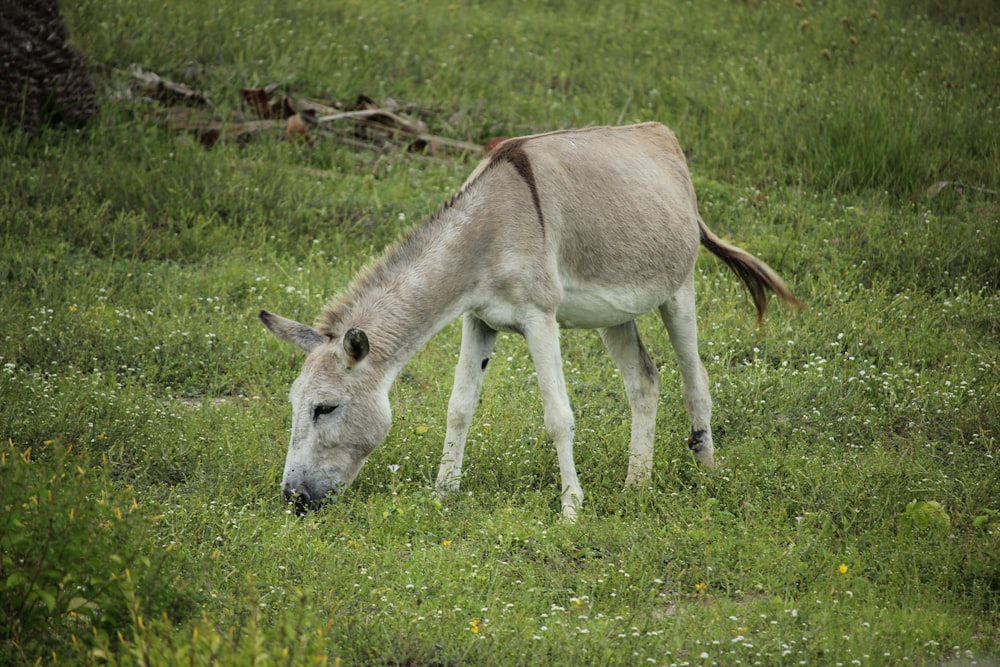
[512,151]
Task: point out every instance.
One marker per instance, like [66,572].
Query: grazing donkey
[580,229]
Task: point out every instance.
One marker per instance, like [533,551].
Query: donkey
[578,229]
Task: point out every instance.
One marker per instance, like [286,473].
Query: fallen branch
[167,91]
[301,118]
[433,144]
[936,189]
[210,132]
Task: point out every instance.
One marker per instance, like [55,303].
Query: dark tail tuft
[757,276]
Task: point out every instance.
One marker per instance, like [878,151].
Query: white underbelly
[597,307]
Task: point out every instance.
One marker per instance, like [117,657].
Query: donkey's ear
[356,345]
[301,336]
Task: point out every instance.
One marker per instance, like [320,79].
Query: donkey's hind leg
[478,339]
[642,386]
[678,315]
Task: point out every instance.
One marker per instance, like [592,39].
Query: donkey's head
[340,411]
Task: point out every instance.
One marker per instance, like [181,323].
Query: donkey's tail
[755,274]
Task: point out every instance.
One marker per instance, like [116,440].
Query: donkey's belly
[596,307]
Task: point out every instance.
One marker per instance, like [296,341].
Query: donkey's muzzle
[300,500]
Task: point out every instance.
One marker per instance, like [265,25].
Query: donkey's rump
[619,216]
[621,209]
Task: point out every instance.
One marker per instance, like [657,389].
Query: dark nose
[299,499]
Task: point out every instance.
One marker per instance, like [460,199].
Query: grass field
[143,409]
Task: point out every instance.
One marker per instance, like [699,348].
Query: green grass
[855,519]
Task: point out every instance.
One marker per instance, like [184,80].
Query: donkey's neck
[410,293]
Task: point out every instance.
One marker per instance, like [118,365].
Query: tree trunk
[42,79]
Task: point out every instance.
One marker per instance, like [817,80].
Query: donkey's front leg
[478,339]
[542,337]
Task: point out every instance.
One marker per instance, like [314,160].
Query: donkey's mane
[385,268]
[382,271]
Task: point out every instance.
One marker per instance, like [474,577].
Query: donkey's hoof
[701,446]
[442,491]
[572,501]
[569,514]
[707,460]
[636,482]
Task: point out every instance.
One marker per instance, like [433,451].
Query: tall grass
[143,412]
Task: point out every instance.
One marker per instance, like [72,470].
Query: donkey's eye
[321,410]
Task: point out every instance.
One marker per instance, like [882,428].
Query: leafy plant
[74,556]
[925,516]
